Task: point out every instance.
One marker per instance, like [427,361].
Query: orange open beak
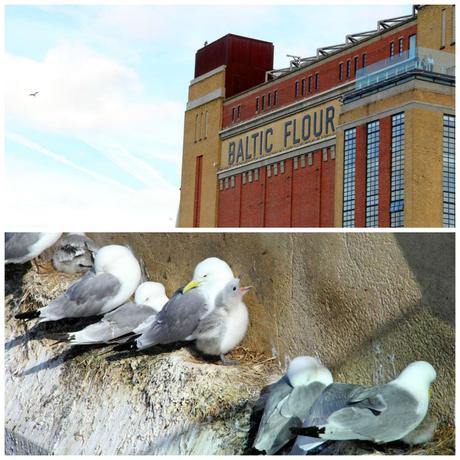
[245,289]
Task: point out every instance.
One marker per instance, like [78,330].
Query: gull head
[303,370]
[117,260]
[151,294]
[212,274]
[232,293]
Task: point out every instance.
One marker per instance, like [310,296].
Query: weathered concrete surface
[365,304]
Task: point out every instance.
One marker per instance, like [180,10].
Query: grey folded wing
[86,297]
[126,318]
[177,320]
[273,430]
[382,413]
[17,244]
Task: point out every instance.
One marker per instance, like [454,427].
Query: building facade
[360,135]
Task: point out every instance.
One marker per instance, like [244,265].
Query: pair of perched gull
[208,310]
[306,403]
[73,254]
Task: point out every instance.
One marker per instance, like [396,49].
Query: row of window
[301,88]
[276,168]
[372,174]
[348,66]
[448,171]
[271,98]
[201,126]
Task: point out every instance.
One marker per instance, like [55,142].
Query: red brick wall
[302,197]
[385,172]
[229,205]
[252,202]
[327,191]
[328,77]
[278,198]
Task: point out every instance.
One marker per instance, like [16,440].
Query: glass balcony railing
[420,58]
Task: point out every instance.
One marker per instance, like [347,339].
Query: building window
[341,71]
[443,28]
[316,81]
[348,68]
[296,90]
[257,104]
[397,171]
[232,181]
[275,97]
[401,45]
[201,125]
[372,174]
[263,103]
[392,49]
[256,174]
[206,124]
[355,64]
[364,60]
[238,111]
[196,127]
[448,171]
[233,113]
[349,173]
[412,45]
[303,86]
[269,100]
[310,79]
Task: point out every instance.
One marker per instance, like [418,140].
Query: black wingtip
[28,315]
[312,431]
[60,337]
[126,346]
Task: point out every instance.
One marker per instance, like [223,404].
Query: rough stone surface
[365,304]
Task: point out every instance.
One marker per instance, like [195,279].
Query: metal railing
[419,58]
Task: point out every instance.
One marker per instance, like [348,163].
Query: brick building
[361,134]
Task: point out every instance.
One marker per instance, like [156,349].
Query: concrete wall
[366,304]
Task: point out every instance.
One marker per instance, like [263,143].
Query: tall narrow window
[206,124]
[401,45]
[397,171]
[269,99]
[443,28]
[233,113]
[448,171]
[296,90]
[238,112]
[355,64]
[372,174]
[349,174]
[196,127]
[316,81]
[257,104]
[201,125]
[348,68]
[263,103]
[303,86]
[275,97]
[341,71]
[197,201]
[310,79]
[412,45]
[392,49]
[364,60]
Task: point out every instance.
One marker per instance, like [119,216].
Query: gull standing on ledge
[380,414]
[287,402]
[115,277]
[181,316]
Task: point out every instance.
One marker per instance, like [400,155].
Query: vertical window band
[349,174]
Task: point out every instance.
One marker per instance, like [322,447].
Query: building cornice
[208,74]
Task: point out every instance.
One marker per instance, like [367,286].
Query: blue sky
[100,146]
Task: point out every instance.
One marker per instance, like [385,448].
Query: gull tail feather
[28,315]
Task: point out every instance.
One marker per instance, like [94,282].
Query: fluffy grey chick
[225,327]
[74,253]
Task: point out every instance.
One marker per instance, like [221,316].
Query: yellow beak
[191,285]
[430,393]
